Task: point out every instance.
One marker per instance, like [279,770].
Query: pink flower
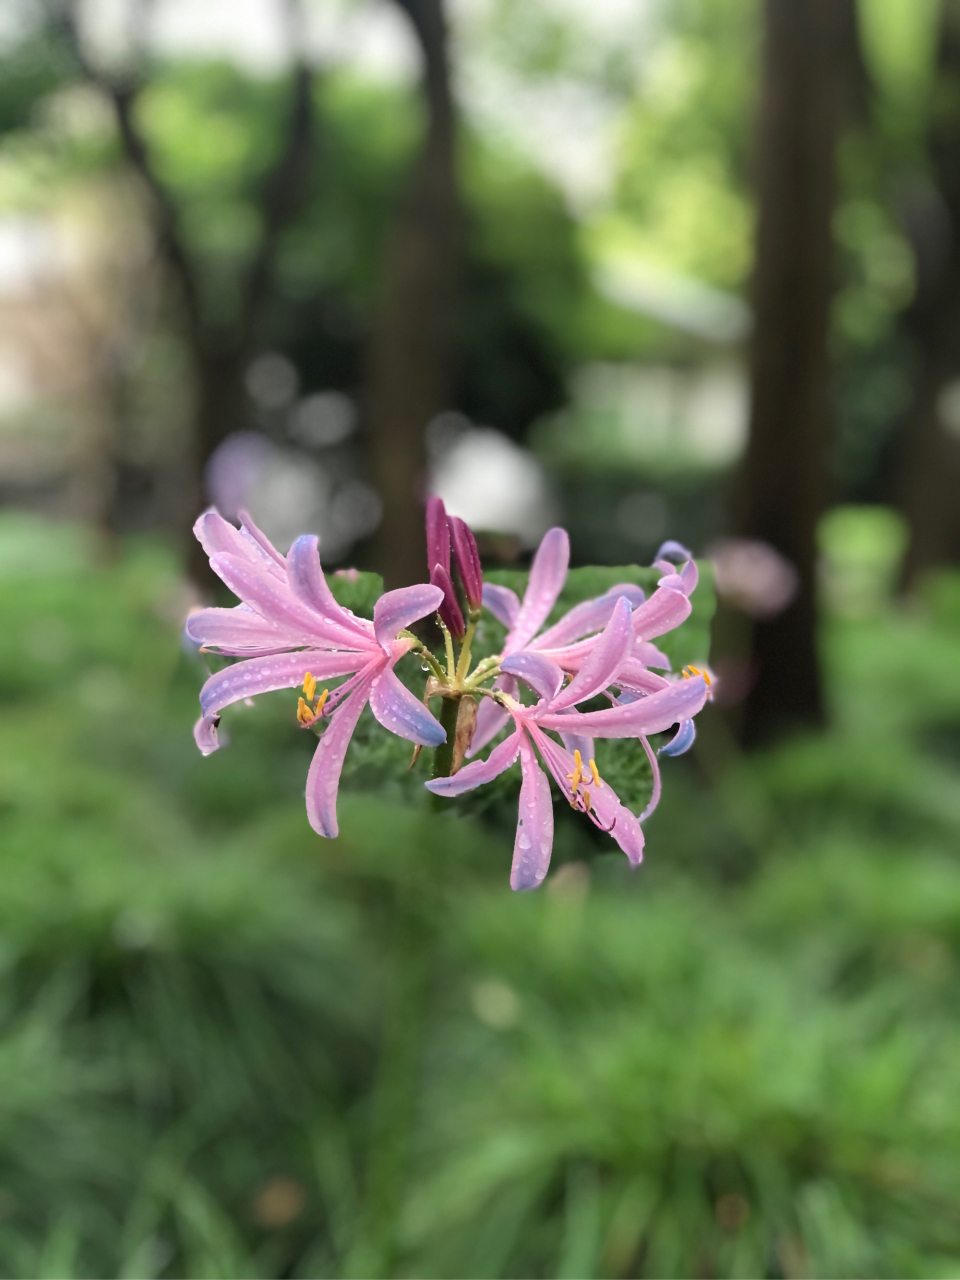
[570,641]
[577,779]
[290,632]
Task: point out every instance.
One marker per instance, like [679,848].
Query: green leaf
[359,593]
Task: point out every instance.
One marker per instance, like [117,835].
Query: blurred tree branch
[219,354]
[930,459]
[412,345]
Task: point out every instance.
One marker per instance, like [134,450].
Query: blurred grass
[232,1049]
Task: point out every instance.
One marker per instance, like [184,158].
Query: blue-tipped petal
[681,741]
[673,551]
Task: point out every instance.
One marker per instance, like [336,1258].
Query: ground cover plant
[232,1048]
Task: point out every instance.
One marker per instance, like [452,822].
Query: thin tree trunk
[218,358]
[221,409]
[412,347]
[784,482]
[930,458]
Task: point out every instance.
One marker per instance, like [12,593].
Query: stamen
[596,775]
[577,772]
[690,671]
[309,686]
[575,778]
[586,802]
[321,701]
[304,714]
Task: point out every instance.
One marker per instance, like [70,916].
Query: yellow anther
[586,802]
[321,700]
[304,714]
[596,776]
[309,686]
[690,671]
[577,772]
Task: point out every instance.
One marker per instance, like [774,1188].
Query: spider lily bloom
[578,780]
[570,641]
[291,632]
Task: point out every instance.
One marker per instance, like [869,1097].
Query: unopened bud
[438,535]
[450,612]
[468,561]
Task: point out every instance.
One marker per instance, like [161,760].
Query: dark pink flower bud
[468,561]
[449,610]
[438,535]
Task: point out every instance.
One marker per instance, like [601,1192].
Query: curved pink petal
[649,655]
[279,671]
[309,585]
[634,675]
[502,603]
[542,675]
[219,537]
[491,718]
[681,741]
[655,769]
[647,715]
[665,609]
[323,777]
[403,713]
[250,530]
[274,601]
[606,809]
[589,616]
[570,657]
[621,823]
[606,658]
[671,550]
[395,610]
[479,771]
[547,576]
[574,742]
[205,734]
[239,629]
[534,842]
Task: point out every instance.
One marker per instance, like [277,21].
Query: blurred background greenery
[646,268]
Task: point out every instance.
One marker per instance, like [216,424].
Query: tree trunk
[931,458]
[221,409]
[412,347]
[785,477]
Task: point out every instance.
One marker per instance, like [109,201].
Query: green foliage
[230,1047]
[357,591]
[685,161]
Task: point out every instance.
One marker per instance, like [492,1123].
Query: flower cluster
[290,632]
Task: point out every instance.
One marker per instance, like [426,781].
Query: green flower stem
[463,666]
[448,646]
[423,652]
[443,756]
[486,670]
